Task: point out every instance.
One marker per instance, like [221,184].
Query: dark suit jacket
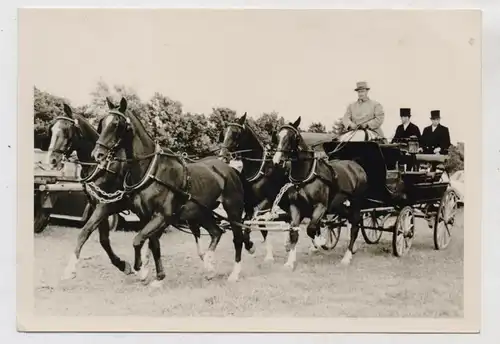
[439,138]
[401,133]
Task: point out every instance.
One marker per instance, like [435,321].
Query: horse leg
[313,227]
[215,234]
[293,237]
[156,223]
[154,246]
[195,229]
[355,219]
[106,245]
[100,213]
[269,247]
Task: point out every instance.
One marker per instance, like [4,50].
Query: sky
[298,63]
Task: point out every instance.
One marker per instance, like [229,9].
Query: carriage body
[402,185]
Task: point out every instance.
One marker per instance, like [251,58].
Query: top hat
[435,114]
[361,85]
[406,112]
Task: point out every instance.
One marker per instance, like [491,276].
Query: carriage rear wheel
[332,235]
[371,236]
[445,219]
[404,231]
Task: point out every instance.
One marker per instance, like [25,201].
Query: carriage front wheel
[371,236]
[331,233]
[445,220]
[404,231]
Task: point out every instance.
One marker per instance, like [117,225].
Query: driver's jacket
[365,112]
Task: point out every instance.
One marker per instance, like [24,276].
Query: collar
[363,100]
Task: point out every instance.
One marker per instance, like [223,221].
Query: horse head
[288,141]
[114,129]
[231,138]
[65,136]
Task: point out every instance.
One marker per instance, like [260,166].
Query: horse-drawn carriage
[402,185]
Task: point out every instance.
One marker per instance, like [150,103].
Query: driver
[365,112]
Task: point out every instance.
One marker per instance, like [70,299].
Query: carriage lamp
[413,145]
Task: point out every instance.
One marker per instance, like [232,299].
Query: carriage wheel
[445,219]
[332,235]
[371,236]
[404,230]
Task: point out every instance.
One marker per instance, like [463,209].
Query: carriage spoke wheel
[371,236]
[404,230]
[331,233]
[445,219]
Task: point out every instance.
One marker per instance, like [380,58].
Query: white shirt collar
[406,125]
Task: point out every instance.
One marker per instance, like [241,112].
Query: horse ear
[110,103]
[123,105]
[242,119]
[67,110]
[297,123]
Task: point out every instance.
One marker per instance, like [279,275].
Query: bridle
[76,125]
[237,153]
[119,139]
[296,140]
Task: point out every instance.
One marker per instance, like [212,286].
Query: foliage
[317,127]
[455,161]
[165,120]
[46,107]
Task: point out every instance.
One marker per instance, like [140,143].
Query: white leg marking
[209,263]
[313,248]
[70,270]
[156,284]
[143,273]
[199,250]
[347,258]
[269,251]
[319,240]
[235,275]
[292,257]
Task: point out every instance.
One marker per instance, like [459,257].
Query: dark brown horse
[70,133]
[262,180]
[321,187]
[165,189]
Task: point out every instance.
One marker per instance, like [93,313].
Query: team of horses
[123,168]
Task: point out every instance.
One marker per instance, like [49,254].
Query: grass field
[426,283]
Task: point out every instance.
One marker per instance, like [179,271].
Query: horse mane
[250,128]
[86,128]
[139,127]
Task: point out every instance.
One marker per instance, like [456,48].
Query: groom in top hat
[406,129]
[436,137]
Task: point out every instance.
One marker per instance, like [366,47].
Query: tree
[269,122]
[46,107]
[218,120]
[455,161]
[317,127]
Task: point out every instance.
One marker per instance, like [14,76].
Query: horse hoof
[210,275]
[313,249]
[128,269]
[233,278]
[69,275]
[143,274]
[269,259]
[345,262]
[251,250]
[156,284]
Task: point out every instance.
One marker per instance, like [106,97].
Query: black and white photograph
[249,166]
